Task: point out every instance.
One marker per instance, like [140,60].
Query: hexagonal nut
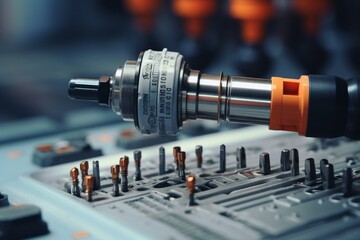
[104,90]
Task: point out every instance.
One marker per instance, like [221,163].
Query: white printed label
[157,92]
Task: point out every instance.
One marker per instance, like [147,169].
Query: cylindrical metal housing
[231,98]
[158,92]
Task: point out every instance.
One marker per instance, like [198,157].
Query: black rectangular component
[74,150]
[21,222]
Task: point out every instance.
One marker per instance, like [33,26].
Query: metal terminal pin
[222,158]
[264,163]
[137,157]
[240,158]
[285,160]
[294,159]
[124,163]
[115,170]
[181,160]
[89,184]
[323,163]
[161,160]
[199,158]
[310,172]
[176,150]
[329,177]
[347,182]
[75,189]
[84,168]
[191,181]
[96,174]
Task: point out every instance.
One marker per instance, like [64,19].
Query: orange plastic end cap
[289,104]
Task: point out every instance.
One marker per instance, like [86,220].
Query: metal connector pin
[264,163]
[294,159]
[137,158]
[310,172]
[181,160]
[161,161]
[96,174]
[75,189]
[222,158]
[347,182]
[115,170]
[84,168]
[240,158]
[124,163]
[89,185]
[285,160]
[199,158]
[329,177]
[191,181]
[323,163]
[176,150]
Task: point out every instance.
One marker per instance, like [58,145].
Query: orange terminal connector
[176,150]
[115,170]
[89,182]
[124,163]
[190,182]
[89,185]
[195,13]
[253,15]
[84,168]
[144,12]
[75,190]
[311,11]
[181,156]
[74,173]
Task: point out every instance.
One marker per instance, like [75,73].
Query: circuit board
[230,200]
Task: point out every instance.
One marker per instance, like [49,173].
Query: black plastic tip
[84,89]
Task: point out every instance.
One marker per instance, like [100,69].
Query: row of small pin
[92,182]
[89,182]
[328,176]
[289,161]
[180,156]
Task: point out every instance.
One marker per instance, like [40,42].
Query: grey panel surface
[237,204]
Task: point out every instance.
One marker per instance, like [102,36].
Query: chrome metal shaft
[230,98]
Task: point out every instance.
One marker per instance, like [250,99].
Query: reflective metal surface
[231,98]
[249,100]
